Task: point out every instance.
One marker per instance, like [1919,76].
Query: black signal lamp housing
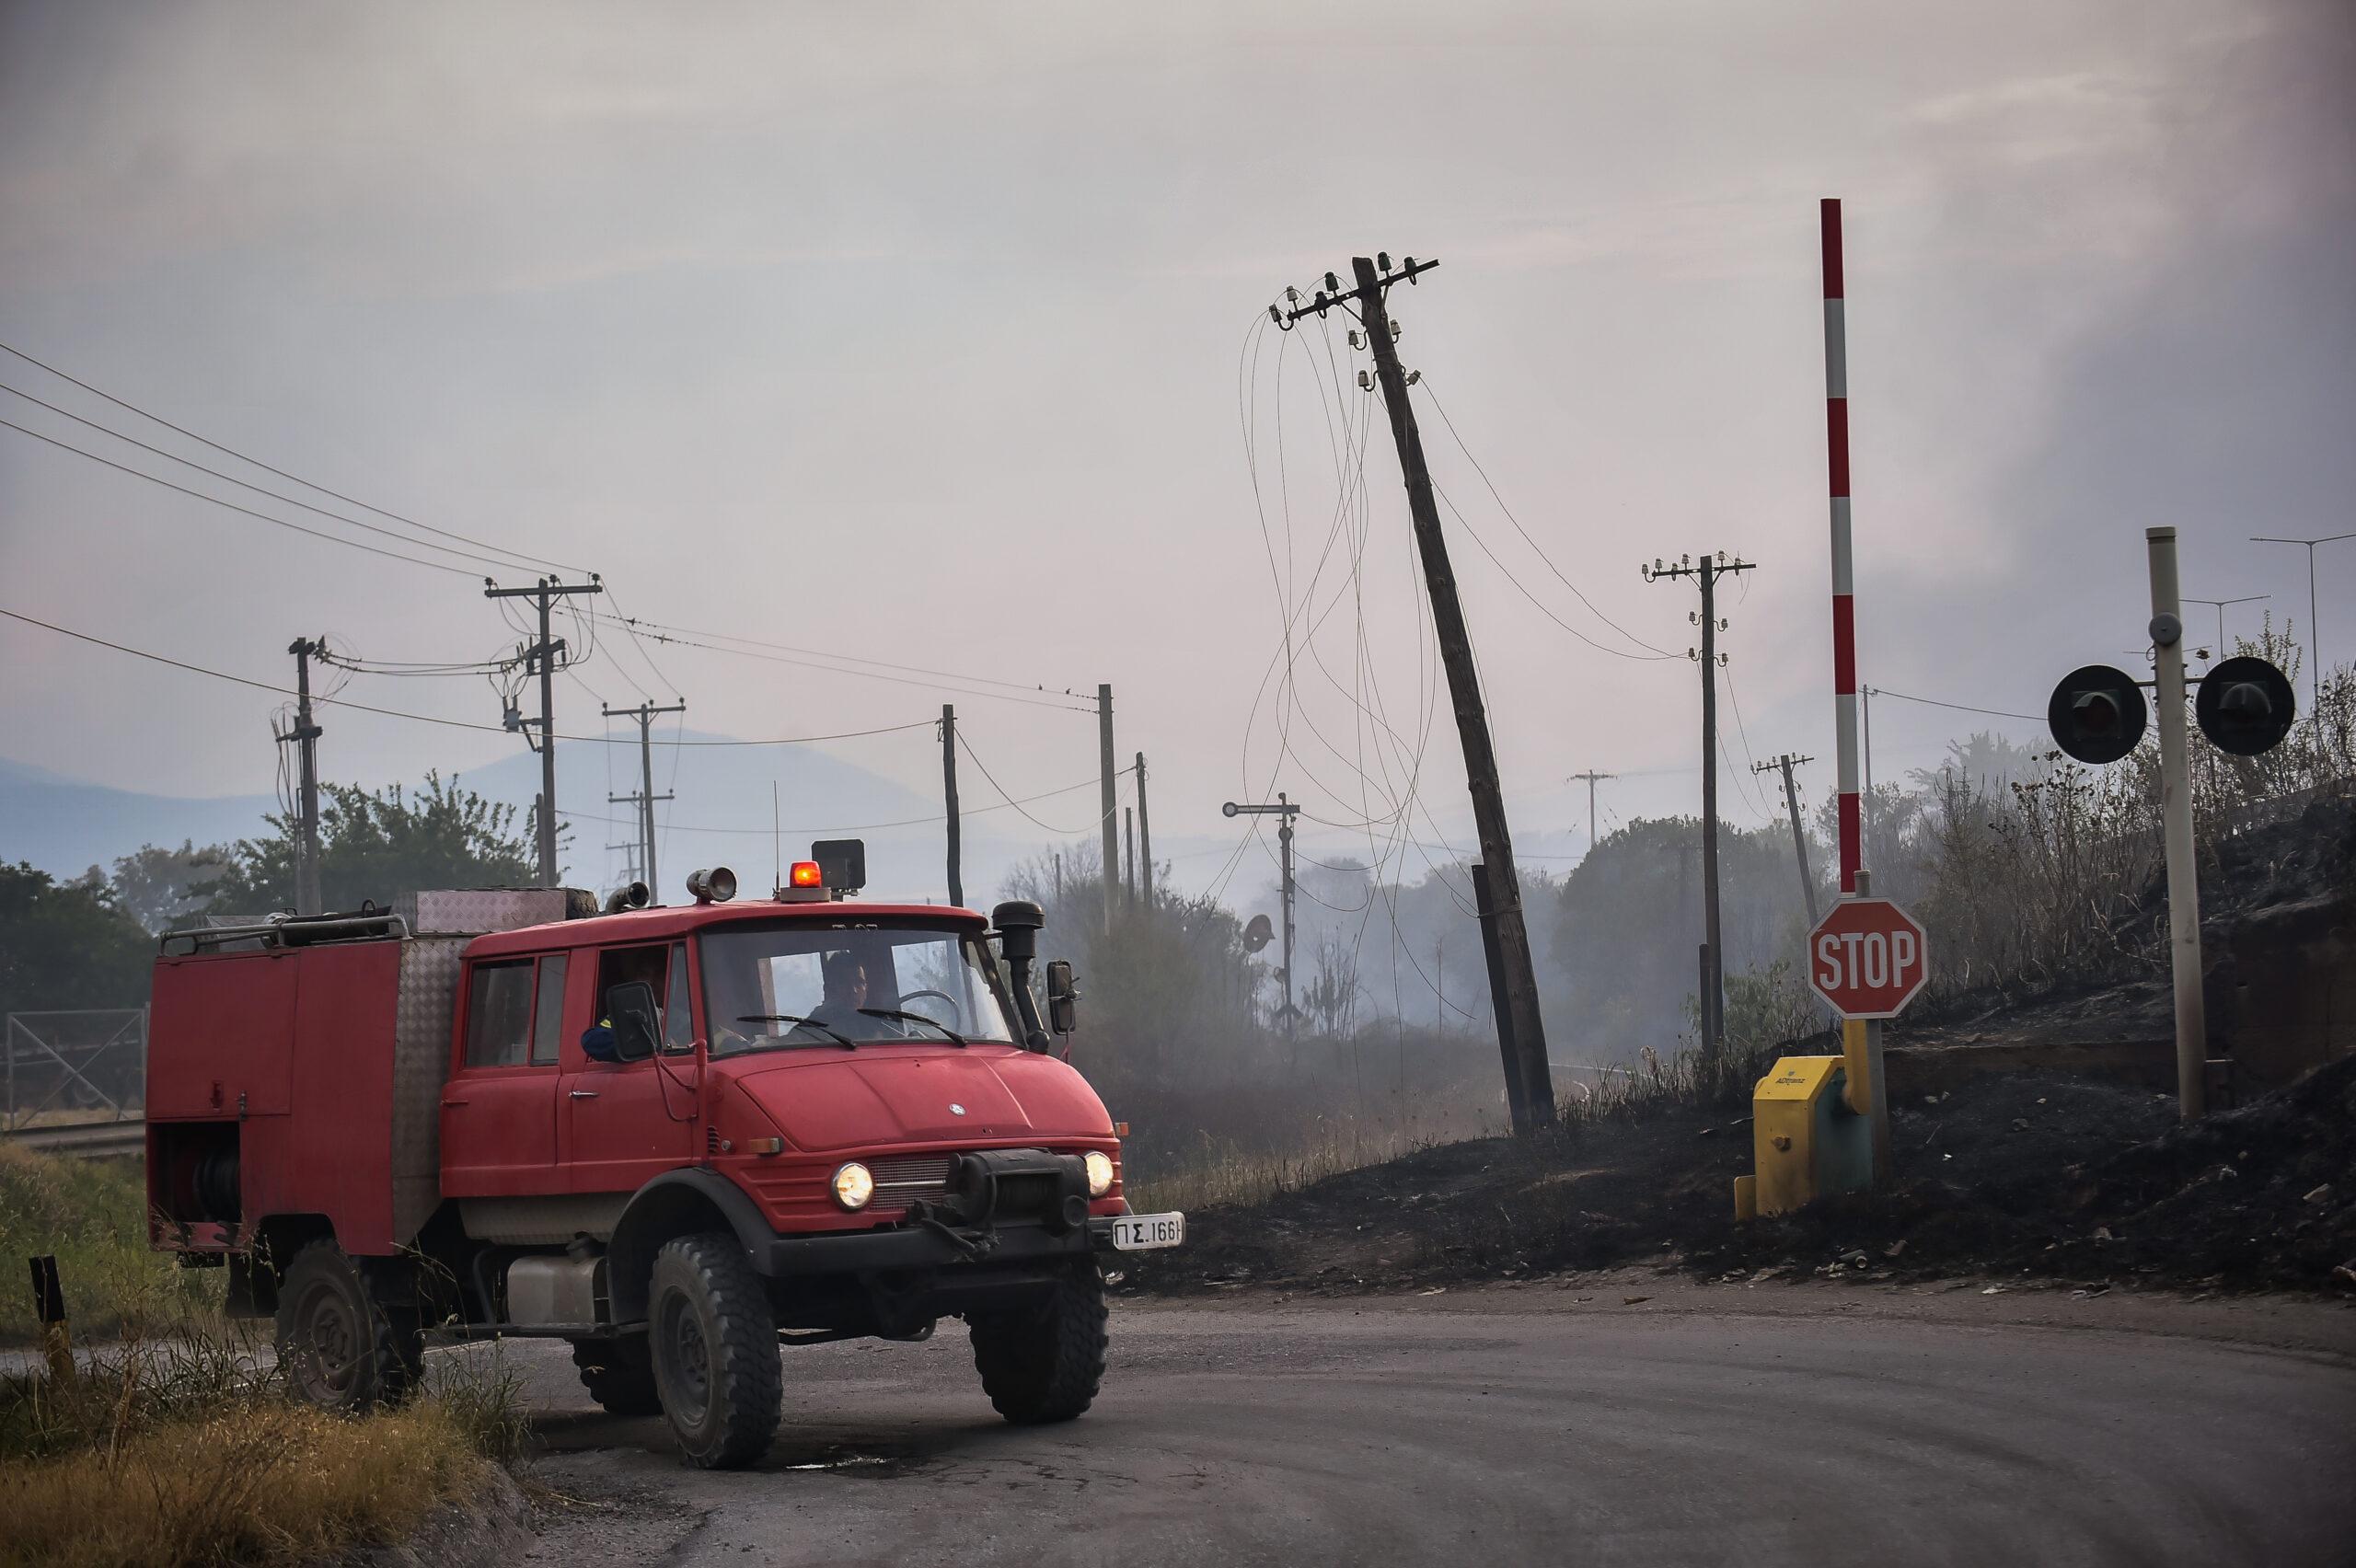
[2098,713]
[2246,706]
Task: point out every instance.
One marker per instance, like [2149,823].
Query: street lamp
[2314,644]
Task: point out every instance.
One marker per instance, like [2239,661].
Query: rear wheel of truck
[1043,1362]
[715,1351]
[347,1333]
[618,1374]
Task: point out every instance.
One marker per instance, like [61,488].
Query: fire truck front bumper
[930,1244]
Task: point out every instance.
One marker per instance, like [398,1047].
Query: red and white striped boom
[1844,615]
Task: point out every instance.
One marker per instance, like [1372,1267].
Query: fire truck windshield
[793,984]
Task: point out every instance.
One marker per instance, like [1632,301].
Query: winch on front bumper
[1008,1209]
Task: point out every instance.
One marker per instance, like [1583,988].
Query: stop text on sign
[1870,960]
[1867,958]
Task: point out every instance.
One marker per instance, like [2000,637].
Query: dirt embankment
[2090,1182]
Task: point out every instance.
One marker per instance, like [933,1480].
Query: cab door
[499,1115]
[623,1123]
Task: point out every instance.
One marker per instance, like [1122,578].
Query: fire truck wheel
[618,1374]
[1042,1363]
[715,1351]
[345,1337]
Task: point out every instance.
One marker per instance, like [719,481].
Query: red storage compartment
[230,1019]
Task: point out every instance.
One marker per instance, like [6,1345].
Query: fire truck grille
[905,1179]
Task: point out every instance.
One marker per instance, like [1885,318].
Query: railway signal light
[2098,713]
[2244,706]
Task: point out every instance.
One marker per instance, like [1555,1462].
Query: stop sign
[1867,958]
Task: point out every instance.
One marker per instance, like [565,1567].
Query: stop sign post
[1867,958]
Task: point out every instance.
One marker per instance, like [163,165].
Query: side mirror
[637,1020]
[1063,999]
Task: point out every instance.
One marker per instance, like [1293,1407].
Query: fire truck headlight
[1099,1172]
[854,1185]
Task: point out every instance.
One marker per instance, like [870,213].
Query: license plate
[1143,1232]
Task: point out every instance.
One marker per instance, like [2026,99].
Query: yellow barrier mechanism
[1806,1140]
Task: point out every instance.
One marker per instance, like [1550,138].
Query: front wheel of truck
[715,1351]
[347,1333]
[1043,1362]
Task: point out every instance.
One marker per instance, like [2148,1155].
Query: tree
[68,944]
[379,846]
[156,886]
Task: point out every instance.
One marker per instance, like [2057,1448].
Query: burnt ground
[2085,1180]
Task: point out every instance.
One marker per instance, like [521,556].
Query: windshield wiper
[954,1038]
[843,1041]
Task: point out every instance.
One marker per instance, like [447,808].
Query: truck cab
[678,1137]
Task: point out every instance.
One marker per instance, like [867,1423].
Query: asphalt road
[1539,1426]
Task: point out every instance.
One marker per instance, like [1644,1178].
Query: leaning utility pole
[542,654]
[1284,811]
[1528,1035]
[306,736]
[1129,854]
[1144,838]
[1713,955]
[646,797]
[1799,840]
[1107,795]
[949,798]
[1591,777]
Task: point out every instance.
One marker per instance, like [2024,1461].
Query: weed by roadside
[187,1450]
[93,1214]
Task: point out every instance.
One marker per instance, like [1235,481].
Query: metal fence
[88,1066]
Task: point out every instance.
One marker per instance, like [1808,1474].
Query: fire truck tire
[618,1374]
[346,1336]
[1042,1363]
[713,1339]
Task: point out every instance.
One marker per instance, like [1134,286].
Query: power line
[307,484]
[938,684]
[233,506]
[428,718]
[242,484]
[1433,397]
[1958,707]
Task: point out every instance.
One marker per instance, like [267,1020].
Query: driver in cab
[844,976]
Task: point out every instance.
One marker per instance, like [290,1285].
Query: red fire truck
[674,1137]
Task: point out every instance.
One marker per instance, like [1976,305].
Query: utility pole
[1714,962]
[1129,854]
[1284,811]
[1866,807]
[630,856]
[949,798]
[1374,279]
[306,735]
[1590,776]
[1799,840]
[2176,827]
[646,797]
[2315,634]
[542,656]
[1107,795]
[1145,838]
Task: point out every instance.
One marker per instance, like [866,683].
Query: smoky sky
[920,333]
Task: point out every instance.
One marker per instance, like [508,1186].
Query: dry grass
[1224,1173]
[185,1451]
[263,1481]
[93,1215]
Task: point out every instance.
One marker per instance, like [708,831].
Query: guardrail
[83,1140]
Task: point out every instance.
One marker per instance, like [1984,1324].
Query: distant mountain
[722,816]
[64,826]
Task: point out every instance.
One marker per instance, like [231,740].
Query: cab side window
[547,1011]
[678,1014]
[499,1013]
